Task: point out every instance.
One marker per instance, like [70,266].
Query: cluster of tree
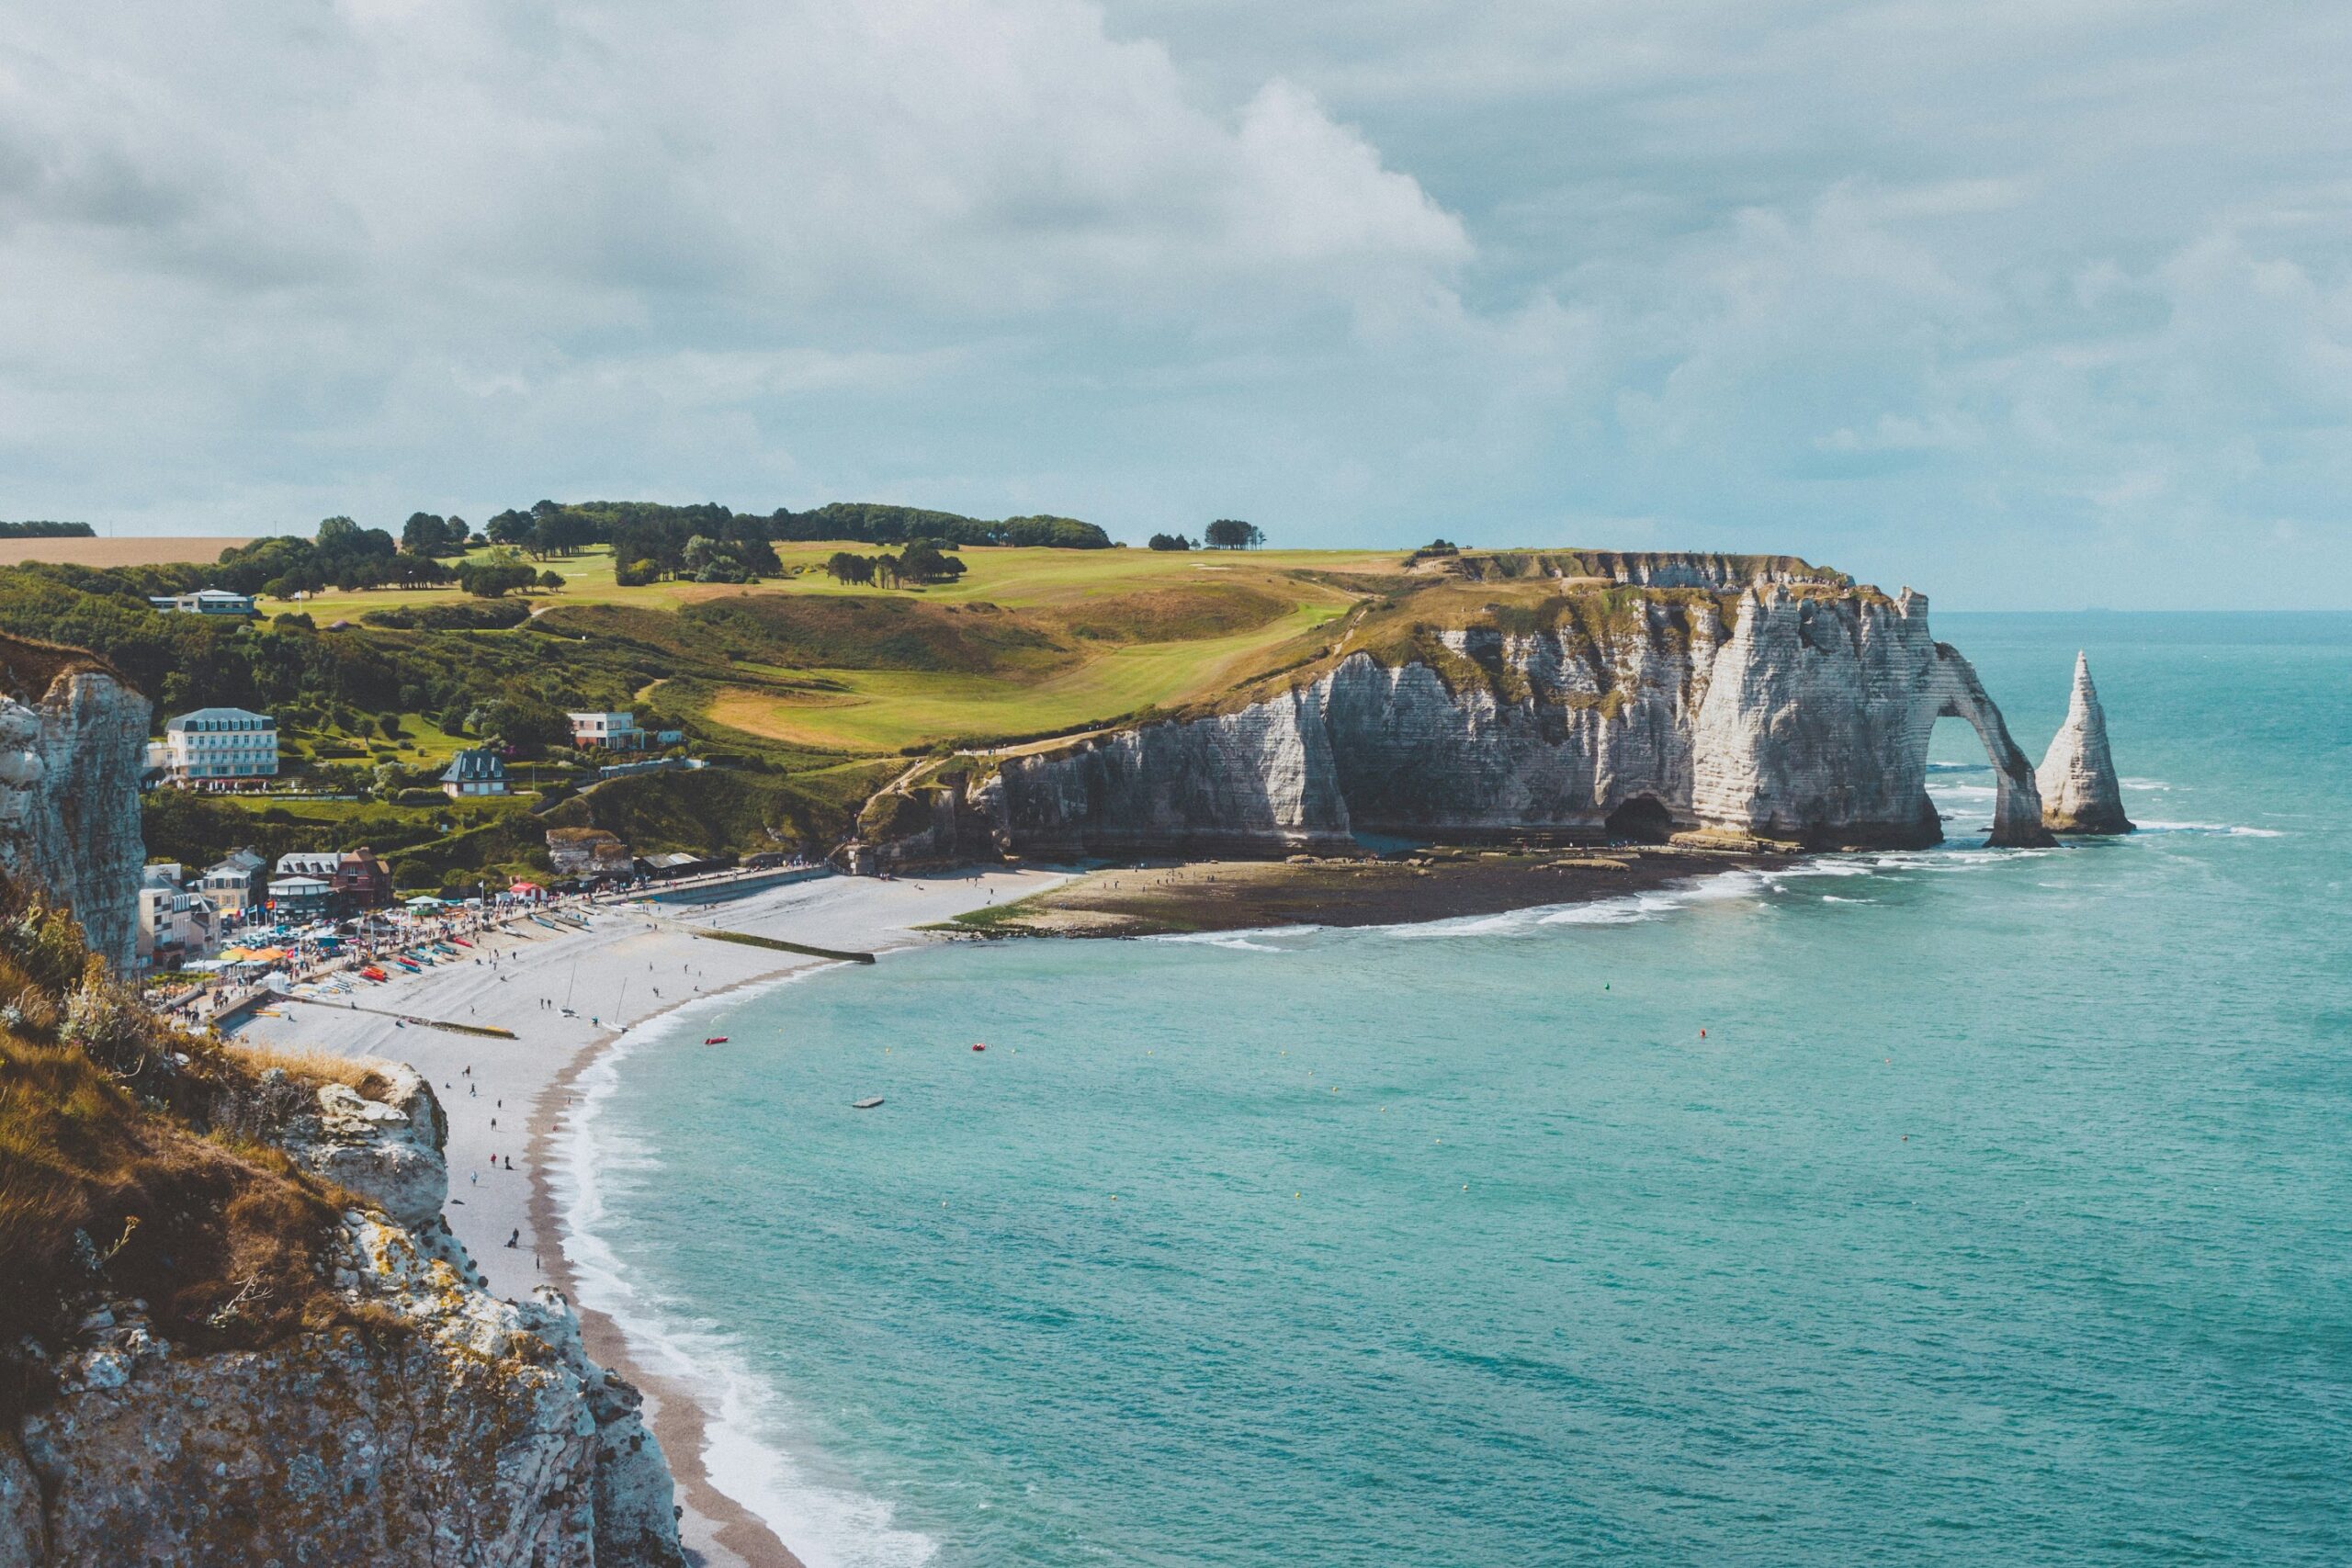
[1232,534]
[872,524]
[1224,533]
[1436,550]
[344,556]
[290,667]
[924,560]
[426,535]
[640,530]
[708,543]
[504,572]
[47,531]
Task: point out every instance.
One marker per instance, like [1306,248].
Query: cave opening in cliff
[1641,820]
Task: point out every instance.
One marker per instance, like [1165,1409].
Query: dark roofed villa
[475,772]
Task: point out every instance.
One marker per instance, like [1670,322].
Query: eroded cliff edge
[1742,698]
[260,1343]
[72,742]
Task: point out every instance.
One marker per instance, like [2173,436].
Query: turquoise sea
[2002,1214]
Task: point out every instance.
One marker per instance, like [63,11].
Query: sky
[2026,305]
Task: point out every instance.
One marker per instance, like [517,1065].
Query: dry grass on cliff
[159,1196]
[314,1067]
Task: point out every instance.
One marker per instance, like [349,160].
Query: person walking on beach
[515,1240]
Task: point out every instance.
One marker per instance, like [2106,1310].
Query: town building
[617,732]
[475,772]
[235,886]
[300,898]
[176,925]
[355,879]
[218,748]
[205,601]
[611,731]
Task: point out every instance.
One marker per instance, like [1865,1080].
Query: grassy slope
[815,687]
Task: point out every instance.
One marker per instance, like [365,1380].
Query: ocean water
[1964,1206]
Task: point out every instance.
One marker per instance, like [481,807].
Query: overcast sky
[2027,303]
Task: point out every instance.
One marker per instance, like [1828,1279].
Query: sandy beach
[505,1097]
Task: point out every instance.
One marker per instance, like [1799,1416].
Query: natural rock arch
[2017,806]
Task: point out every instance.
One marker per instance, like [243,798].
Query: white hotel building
[220,746]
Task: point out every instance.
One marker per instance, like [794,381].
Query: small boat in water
[977,1046]
[869,1104]
[716,1040]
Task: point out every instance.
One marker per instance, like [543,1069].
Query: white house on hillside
[205,601]
[617,732]
[220,745]
[475,772]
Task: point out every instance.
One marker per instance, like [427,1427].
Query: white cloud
[1885,283]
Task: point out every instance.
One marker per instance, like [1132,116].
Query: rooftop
[474,764]
[219,715]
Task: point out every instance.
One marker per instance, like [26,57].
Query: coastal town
[245,923]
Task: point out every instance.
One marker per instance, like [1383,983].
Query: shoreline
[507,1215]
[674,1413]
[863,913]
[1439,883]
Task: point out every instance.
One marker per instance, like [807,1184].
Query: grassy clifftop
[802,688]
[131,1164]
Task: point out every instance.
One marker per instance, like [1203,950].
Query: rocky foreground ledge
[414,1418]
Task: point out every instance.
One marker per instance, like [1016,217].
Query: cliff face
[451,1428]
[1792,712]
[70,763]
[1815,727]
[2080,793]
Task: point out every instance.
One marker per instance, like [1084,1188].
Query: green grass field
[1089,636]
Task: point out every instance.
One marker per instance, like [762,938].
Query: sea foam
[745,1451]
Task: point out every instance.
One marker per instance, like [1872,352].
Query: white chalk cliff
[72,744]
[459,1430]
[1773,709]
[2080,793]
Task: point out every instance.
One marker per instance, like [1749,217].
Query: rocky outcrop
[1788,712]
[2080,793]
[1712,570]
[385,1146]
[589,852]
[1816,726]
[432,1424]
[70,762]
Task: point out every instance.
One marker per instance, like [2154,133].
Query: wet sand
[1437,884]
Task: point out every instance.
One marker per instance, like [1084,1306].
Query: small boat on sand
[869,1104]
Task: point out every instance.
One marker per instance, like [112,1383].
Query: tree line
[1224,533]
[922,562]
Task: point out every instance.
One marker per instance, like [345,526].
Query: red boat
[977,1046]
[716,1040]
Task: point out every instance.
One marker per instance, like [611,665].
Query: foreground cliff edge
[238,1330]
[233,1325]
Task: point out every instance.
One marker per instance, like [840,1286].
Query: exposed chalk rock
[386,1149]
[2080,793]
[69,761]
[453,1429]
[1794,711]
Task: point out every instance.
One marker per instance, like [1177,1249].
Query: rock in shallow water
[2080,793]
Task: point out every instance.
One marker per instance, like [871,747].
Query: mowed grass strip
[889,710]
